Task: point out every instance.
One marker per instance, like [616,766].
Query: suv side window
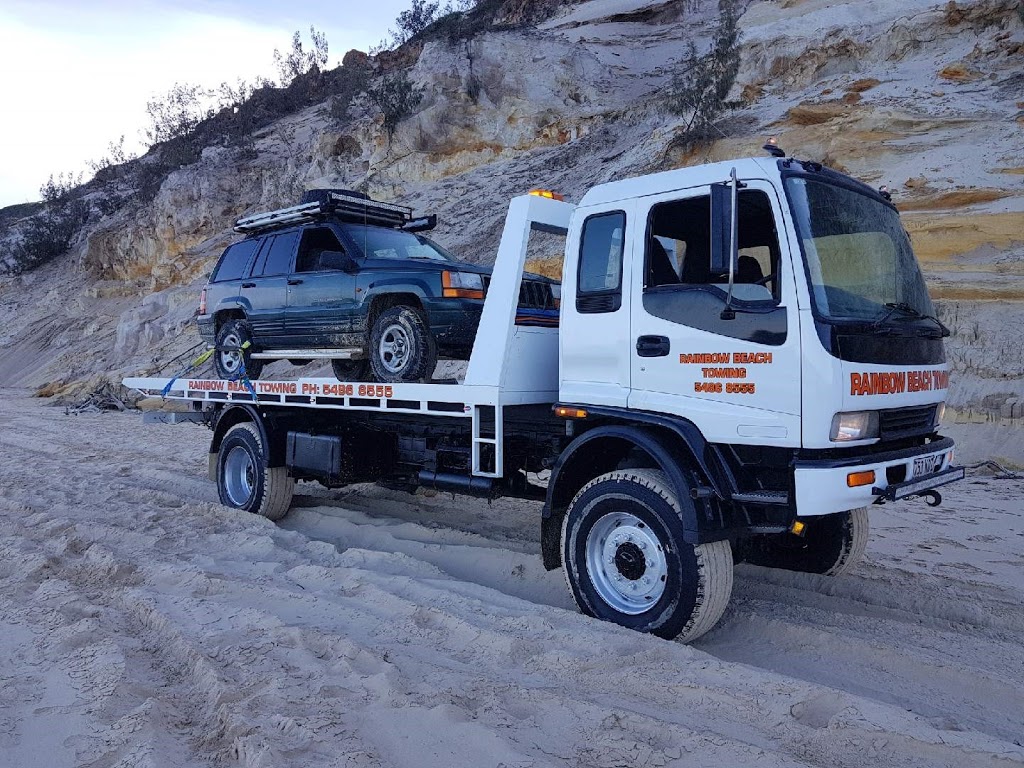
[234,261]
[276,255]
[314,242]
[599,277]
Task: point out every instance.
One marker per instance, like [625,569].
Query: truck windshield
[381,243]
[859,258]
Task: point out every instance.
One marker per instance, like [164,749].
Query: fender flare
[238,413]
[682,461]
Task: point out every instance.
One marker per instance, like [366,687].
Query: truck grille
[906,422]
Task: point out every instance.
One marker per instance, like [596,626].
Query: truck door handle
[248,285]
[652,346]
[294,281]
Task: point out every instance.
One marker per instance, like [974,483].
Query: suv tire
[401,346]
[228,358]
[350,370]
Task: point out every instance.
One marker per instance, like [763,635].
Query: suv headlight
[855,425]
[462,285]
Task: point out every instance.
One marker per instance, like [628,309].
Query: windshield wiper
[893,307]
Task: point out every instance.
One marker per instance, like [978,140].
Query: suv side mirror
[334,260]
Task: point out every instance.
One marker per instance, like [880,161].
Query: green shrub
[397,98]
[701,83]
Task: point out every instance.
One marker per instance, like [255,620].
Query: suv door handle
[294,281]
[248,285]
[653,346]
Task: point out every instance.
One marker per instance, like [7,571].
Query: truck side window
[599,280]
[314,242]
[234,261]
[679,242]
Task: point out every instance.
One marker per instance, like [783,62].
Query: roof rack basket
[341,204]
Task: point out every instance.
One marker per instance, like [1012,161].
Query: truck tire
[401,346]
[625,560]
[831,545]
[228,357]
[243,479]
[350,370]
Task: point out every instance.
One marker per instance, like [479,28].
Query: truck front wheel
[244,481]
[625,559]
[831,545]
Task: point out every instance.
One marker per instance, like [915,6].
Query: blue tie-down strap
[191,367]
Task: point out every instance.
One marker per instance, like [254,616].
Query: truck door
[594,338]
[321,297]
[736,374]
[266,290]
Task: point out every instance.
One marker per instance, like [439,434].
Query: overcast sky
[76,74]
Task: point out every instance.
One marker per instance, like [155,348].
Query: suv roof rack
[342,204]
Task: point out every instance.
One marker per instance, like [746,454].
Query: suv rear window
[233,262]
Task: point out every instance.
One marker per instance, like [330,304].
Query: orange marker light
[570,413]
[547,193]
[857,479]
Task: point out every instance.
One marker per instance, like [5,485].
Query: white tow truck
[747,359]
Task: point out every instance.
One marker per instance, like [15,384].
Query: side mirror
[334,260]
[722,229]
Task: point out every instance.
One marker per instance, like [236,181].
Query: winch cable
[1002,473]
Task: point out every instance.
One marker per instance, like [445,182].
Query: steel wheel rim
[394,348]
[239,476]
[231,360]
[626,563]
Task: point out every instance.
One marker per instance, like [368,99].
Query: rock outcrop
[924,96]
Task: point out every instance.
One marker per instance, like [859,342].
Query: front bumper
[454,322]
[822,484]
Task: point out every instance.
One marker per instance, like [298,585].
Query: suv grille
[906,422]
[533,294]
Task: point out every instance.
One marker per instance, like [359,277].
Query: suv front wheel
[229,357]
[401,346]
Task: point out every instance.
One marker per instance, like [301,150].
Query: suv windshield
[381,243]
[859,258]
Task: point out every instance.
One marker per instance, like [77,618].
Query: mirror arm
[729,313]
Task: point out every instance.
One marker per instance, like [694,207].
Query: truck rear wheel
[625,559]
[831,545]
[401,346]
[244,481]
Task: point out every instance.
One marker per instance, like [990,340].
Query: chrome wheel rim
[626,563]
[231,360]
[395,348]
[239,476]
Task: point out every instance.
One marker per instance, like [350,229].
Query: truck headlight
[556,294]
[940,412]
[462,285]
[855,425]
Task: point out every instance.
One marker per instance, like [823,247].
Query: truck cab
[803,343]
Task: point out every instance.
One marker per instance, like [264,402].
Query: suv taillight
[202,302]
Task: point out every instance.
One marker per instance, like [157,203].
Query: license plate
[926,465]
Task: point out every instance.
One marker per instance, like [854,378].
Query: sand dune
[141,624]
